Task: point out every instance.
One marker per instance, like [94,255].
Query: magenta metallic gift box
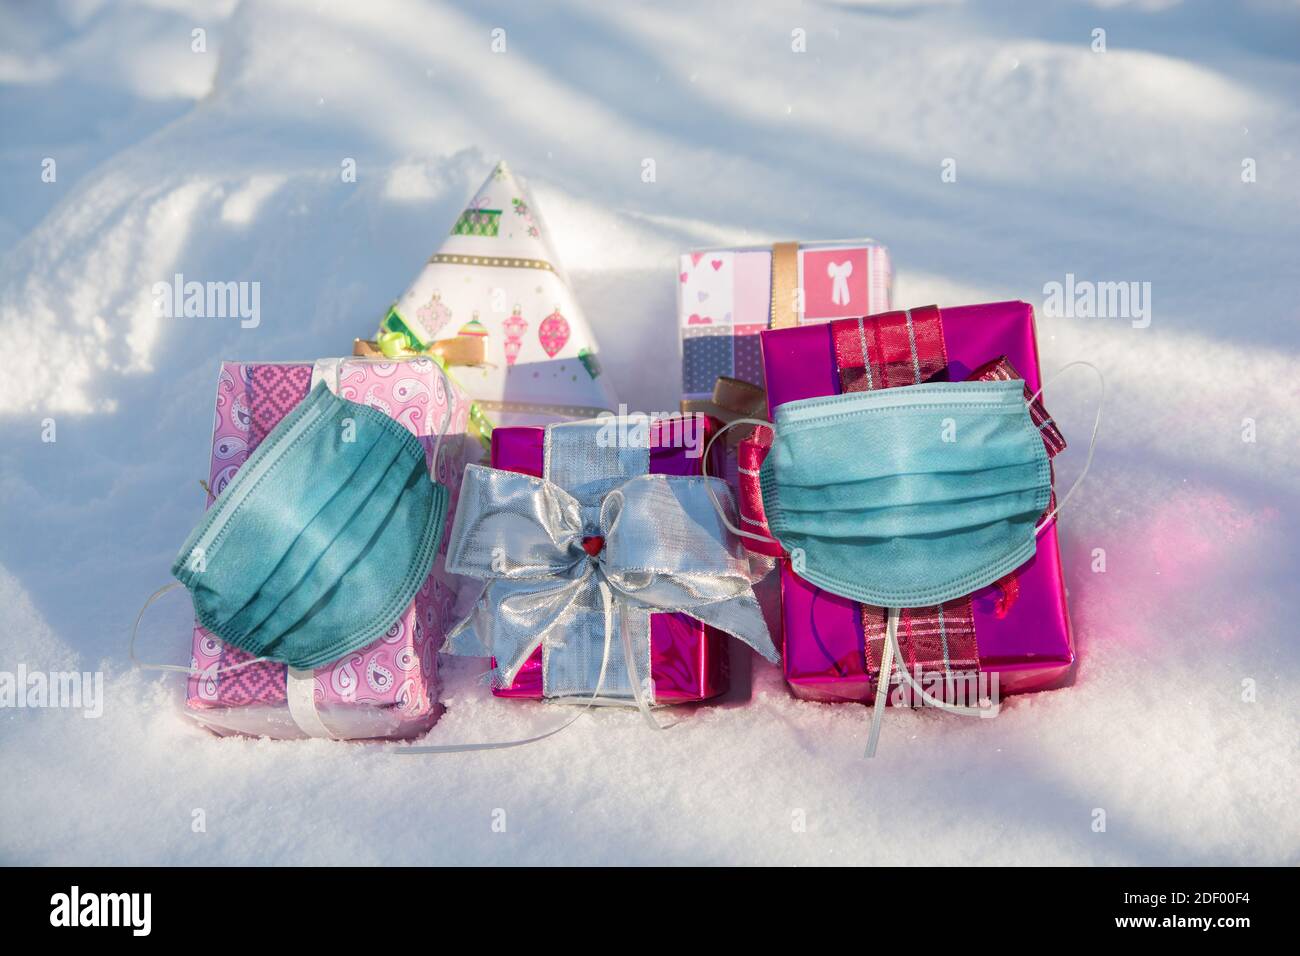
[1024,636]
[688,659]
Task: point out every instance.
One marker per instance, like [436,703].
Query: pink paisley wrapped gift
[688,659]
[726,297]
[390,688]
[1017,629]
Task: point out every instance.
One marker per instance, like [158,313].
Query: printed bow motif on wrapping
[839,273]
[562,576]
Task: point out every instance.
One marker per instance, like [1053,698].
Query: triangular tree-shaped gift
[496,279]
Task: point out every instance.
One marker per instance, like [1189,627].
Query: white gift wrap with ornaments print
[496,277]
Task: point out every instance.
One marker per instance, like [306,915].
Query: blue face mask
[322,538]
[910,496]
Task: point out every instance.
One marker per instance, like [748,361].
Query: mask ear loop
[1092,441]
[446,419]
[890,655]
[176,668]
[882,684]
[708,486]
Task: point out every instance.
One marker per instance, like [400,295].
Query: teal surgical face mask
[911,496]
[908,496]
[322,538]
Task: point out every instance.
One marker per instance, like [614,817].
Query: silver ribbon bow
[551,580]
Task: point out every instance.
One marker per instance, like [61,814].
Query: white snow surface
[1123,165]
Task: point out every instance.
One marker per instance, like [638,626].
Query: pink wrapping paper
[823,653]
[390,688]
[688,659]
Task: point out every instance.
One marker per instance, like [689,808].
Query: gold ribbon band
[785,285]
[500,262]
[461,350]
[732,399]
[571,412]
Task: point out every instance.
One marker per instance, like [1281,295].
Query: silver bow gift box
[578,560]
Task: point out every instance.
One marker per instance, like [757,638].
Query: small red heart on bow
[593,544]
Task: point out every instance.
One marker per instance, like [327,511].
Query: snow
[1117,166]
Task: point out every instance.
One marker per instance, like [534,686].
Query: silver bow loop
[664,549]
[669,525]
[667,548]
[510,525]
[523,537]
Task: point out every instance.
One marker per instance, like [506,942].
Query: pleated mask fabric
[907,496]
[321,539]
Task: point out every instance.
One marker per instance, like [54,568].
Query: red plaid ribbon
[749,459]
[887,351]
[891,349]
[941,637]
[1002,370]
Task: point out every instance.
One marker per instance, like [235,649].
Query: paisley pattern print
[406,659]
[374,401]
[221,479]
[229,428]
[378,677]
[343,677]
[229,447]
[394,634]
[400,669]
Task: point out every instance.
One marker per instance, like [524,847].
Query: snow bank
[1116,166]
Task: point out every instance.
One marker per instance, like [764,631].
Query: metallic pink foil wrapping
[823,655]
[688,659]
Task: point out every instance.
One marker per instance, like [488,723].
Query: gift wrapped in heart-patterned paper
[726,297]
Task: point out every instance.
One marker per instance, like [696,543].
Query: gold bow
[460,350]
[732,399]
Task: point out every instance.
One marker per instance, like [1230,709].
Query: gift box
[726,297]
[1016,630]
[388,689]
[496,283]
[687,659]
